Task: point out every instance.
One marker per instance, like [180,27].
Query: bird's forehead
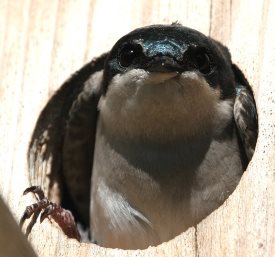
[163,37]
[163,45]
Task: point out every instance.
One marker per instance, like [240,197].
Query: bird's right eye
[202,62]
[129,54]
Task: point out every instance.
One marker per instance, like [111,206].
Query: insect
[62,217]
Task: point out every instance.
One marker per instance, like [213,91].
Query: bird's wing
[66,127]
[245,114]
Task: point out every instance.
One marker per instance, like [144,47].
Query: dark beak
[164,63]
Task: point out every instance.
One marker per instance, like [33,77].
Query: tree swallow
[150,137]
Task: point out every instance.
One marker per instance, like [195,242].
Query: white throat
[162,105]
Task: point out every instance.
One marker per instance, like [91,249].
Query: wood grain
[43,42]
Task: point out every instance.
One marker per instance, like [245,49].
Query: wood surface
[43,42]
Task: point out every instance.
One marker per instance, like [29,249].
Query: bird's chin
[156,78]
[140,77]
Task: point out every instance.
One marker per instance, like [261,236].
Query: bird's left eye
[129,54]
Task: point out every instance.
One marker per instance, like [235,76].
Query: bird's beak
[164,64]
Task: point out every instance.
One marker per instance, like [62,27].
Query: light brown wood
[43,42]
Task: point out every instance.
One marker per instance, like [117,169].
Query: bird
[151,137]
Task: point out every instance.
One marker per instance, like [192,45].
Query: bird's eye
[129,54]
[202,62]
